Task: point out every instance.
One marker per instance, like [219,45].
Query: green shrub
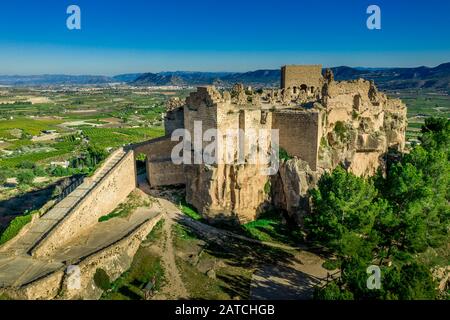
[332,292]
[267,187]
[101,279]
[340,129]
[331,264]
[14,227]
[25,177]
[141,157]
[59,171]
[283,155]
[190,211]
[3,178]
[26,165]
[39,171]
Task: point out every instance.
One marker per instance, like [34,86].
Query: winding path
[174,288]
[293,280]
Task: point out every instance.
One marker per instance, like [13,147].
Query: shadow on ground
[274,273]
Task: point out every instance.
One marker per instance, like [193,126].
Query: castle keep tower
[307,76]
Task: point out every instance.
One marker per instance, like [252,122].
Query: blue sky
[208,35]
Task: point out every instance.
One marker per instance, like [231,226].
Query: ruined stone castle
[322,123]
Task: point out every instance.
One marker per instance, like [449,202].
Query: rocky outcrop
[227,192]
[290,187]
[359,127]
[442,277]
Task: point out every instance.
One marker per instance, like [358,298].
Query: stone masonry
[322,123]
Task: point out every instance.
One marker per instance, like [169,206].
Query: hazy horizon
[206,71]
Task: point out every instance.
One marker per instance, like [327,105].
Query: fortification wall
[114,260]
[45,288]
[157,149]
[161,171]
[200,106]
[295,76]
[104,197]
[350,100]
[173,120]
[165,173]
[299,134]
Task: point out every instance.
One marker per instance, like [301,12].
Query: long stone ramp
[33,265]
[39,228]
[29,255]
[26,277]
[101,193]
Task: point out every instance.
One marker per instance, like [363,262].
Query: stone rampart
[299,134]
[161,171]
[111,189]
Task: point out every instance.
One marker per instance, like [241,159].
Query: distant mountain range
[52,79]
[437,78]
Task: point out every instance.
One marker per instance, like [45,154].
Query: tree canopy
[386,220]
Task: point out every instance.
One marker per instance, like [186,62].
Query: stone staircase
[41,227]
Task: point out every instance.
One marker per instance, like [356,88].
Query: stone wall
[111,190]
[296,76]
[228,190]
[299,133]
[155,149]
[161,171]
[173,120]
[114,260]
[164,173]
[44,288]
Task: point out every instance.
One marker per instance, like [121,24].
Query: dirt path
[174,287]
[211,232]
[293,280]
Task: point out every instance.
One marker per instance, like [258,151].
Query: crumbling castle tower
[321,123]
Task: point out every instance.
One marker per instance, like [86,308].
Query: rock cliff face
[227,192]
[290,187]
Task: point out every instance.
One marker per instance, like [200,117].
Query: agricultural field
[43,130]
